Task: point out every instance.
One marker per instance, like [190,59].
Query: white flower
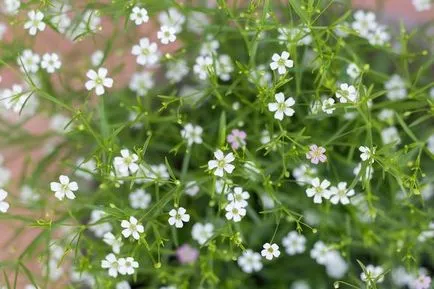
[4,206]
[126,162]
[123,285]
[146,52]
[421,5]
[61,21]
[97,227]
[28,196]
[177,70]
[318,190]
[85,169]
[192,134]
[341,194]
[300,284]
[270,251]
[222,187]
[379,36]
[282,107]
[224,67]
[267,202]
[234,211]
[202,232]
[373,274]
[347,93]
[96,58]
[353,70]
[390,135]
[281,62]
[430,144]
[250,261]
[197,21]
[35,22]
[29,61]
[336,267]
[15,98]
[191,188]
[328,105]
[64,188]
[395,87]
[141,82]
[367,154]
[166,34]
[364,23]
[178,217]
[368,173]
[50,62]
[209,46]
[319,253]
[222,163]
[294,243]
[11,7]
[127,265]
[98,80]
[386,115]
[172,18]
[111,240]
[111,263]
[203,63]
[239,196]
[139,15]
[3,29]
[304,174]
[132,228]
[140,199]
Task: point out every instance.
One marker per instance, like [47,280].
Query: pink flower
[187,254]
[316,154]
[422,282]
[237,138]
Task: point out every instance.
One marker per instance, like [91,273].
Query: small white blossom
[430,144]
[239,196]
[172,18]
[177,70]
[209,46]
[111,240]
[96,226]
[318,190]
[15,99]
[328,105]
[11,7]
[270,251]
[203,64]
[202,232]
[234,211]
[192,134]
[51,62]
[395,87]
[191,188]
[85,169]
[390,135]
[222,163]
[28,196]
[147,52]
[319,253]
[364,23]
[373,274]
[367,154]
[141,82]
[96,58]
[224,67]
[281,62]
[166,34]
[139,15]
[35,22]
[304,174]
[4,206]
[64,188]
[178,217]
[379,37]
[127,162]
[132,228]
[282,107]
[294,243]
[111,263]
[353,70]
[347,93]
[127,266]
[123,285]
[98,80]
[29,61]
[341,194]
[421,5]
[139,199]
[250,261]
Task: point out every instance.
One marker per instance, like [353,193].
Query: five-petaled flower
[35,22]
[139,15]
[64,188]
[178,217]
[98,80]
[126,162]
[367,154]
[282,107]
[132,228]
[270,251]
[281,62]
[316,154]
[341,194]
[222,163]
[318,190]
